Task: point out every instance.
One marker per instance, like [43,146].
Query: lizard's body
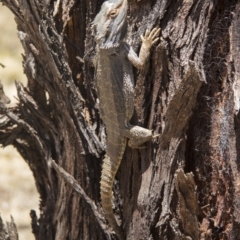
[115,85]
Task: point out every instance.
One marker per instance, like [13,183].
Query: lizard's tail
[109,170]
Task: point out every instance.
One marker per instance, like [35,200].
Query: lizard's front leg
[138,135]
[148,40]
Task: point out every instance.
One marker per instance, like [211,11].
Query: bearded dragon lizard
[115,87]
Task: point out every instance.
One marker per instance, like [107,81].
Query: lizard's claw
[150,38]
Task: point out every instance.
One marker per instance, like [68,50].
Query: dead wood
[184,184]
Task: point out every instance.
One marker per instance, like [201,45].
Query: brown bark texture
[184,184]
[8,232]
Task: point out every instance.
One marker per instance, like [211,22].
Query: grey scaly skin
[115,85]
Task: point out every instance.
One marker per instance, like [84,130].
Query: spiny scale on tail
[115,86]
[109,170]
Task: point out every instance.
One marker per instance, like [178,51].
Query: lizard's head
[110,24]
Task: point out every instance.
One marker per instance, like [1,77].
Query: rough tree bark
[8,232]
[183,185]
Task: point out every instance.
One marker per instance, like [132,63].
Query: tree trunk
[184,184]
[8,232]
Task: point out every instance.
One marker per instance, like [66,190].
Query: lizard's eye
[113,13]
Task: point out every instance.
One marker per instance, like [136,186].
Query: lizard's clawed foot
[150,38]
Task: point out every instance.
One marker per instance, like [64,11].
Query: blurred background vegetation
[18,193]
